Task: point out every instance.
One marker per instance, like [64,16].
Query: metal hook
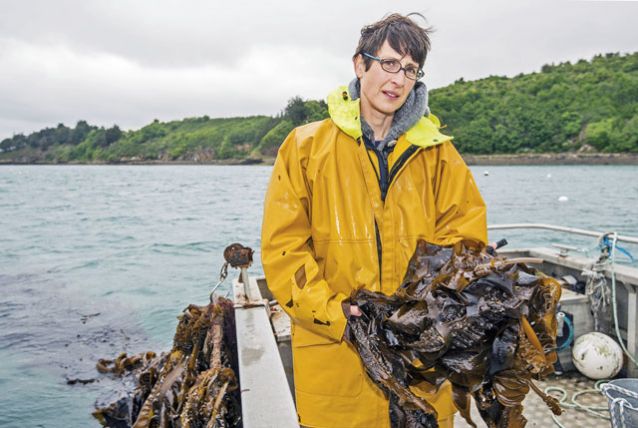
[223,273]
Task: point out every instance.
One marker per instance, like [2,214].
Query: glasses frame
[382,61]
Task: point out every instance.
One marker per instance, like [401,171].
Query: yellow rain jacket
[333,223]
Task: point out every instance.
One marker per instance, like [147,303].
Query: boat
[264,340]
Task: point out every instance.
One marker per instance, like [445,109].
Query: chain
[223,273]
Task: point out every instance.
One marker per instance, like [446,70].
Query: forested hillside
[586,106]
[589,105]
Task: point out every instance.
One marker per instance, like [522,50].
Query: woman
[348,199]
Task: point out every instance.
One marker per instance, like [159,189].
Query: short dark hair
[404,35]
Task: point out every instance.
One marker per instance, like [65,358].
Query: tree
[269,145]
[80,132]
[113,134]
[296,111]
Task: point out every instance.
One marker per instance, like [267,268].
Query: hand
[350,310]
[355,311]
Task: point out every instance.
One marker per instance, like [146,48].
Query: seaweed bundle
[194,385]
[484,323]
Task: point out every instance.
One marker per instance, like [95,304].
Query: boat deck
[539,415]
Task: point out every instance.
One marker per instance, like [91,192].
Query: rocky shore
[554,159]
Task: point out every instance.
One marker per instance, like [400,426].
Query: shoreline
[554,159]
[472,160]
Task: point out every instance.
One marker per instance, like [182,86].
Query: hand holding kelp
[484,323]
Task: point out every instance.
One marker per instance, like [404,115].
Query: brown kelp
[193,385]
[485,323]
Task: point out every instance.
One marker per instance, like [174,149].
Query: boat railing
[266,398]
[571,230]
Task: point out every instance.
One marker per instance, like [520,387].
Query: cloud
[51,84]
[176,33]
[131,62]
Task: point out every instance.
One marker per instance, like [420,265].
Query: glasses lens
[414,74]
[411,73]
[391,65]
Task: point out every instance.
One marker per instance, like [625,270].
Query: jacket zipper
[379,249]
[382,178]
[383,170]
[384,183]
[385,178]
[401,161]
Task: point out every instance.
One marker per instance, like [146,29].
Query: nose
[399,78]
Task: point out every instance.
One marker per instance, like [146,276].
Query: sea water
[96,260]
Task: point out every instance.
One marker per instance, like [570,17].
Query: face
[383,93]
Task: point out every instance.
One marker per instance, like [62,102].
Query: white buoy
[563,199]
[486,173]
[597,356]
[549,175]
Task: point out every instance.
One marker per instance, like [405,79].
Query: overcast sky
[129,62]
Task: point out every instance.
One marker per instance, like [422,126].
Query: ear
[359,66]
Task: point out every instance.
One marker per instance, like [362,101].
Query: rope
[605,243]
[612,255]
[597,291]
[574,404]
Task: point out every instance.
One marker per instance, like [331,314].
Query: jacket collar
[345,113]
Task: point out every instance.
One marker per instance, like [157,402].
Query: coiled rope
[574,404]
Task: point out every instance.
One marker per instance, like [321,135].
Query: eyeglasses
[394,66]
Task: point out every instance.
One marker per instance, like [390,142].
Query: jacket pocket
[325,367]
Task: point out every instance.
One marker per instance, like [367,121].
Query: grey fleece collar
[414,108]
